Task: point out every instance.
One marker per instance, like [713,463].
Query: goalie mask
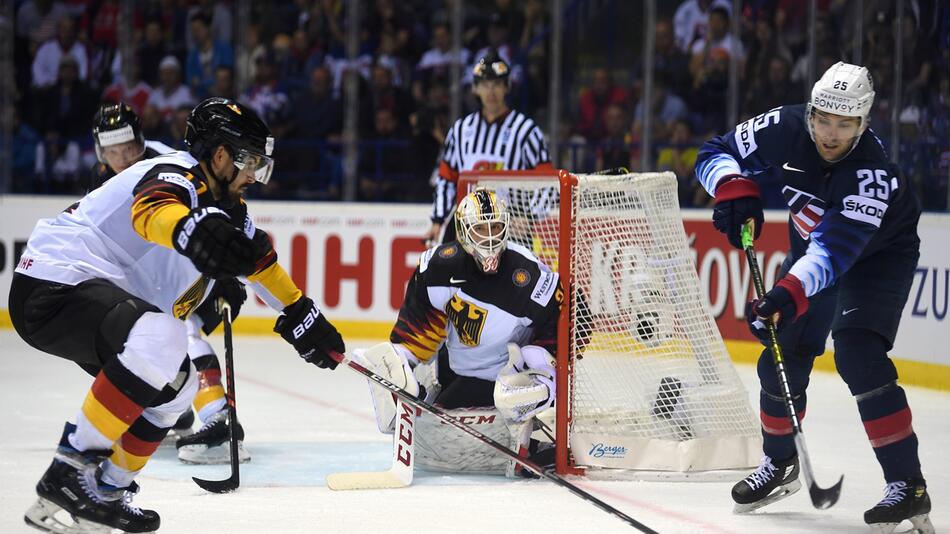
[481,224]
[845,90]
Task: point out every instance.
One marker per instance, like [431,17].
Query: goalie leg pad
[388,361]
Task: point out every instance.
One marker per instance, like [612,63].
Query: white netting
[652,385]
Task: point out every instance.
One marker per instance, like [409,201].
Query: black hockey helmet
[115,124]
[222,121]
[490,67]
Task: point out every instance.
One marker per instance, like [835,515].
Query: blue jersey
[839,212]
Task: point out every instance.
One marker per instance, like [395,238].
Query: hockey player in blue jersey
[854,247]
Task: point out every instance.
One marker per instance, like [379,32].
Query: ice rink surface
[303,422]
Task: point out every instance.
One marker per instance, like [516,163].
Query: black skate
[73,499]
[772,481]
[211,444]
[903,500]
[182,427]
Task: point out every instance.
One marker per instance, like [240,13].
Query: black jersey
[449,299]
[840,212]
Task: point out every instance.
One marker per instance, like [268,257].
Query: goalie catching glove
[303,326]
[526,386]
[214,245]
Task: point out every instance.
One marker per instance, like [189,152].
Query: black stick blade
[227,485]
[825,498]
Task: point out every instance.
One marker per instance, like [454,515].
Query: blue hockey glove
[737,201]
[787,299]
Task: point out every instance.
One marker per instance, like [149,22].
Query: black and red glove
[787,299]
[737,201]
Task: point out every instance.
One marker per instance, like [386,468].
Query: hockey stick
[397,476]
[821,498]
[232,482]
[447,419]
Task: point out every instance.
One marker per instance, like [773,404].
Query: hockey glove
[787,299]
[214,245]
[232,291]
[303,326]
[737,200]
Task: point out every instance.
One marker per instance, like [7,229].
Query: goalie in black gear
[478,326]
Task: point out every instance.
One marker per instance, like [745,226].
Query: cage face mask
[482,227]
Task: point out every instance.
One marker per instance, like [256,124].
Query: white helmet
[844,89]
[481,225]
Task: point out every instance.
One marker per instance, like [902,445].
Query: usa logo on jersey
[807,210]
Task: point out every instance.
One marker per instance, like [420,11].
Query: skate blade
[921,525]
[781,493]
[48,516]
[198,454]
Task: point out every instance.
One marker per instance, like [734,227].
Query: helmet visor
[260,165]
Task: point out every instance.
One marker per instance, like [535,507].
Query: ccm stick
[820,497]
[447,419]
[232,482]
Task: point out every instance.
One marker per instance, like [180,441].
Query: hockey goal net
[644,379]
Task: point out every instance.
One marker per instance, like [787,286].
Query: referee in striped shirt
[494,138]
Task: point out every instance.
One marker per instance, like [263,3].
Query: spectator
[66,107]
[253,48]
[497,36]
[47,62]
[133,91]
[176,127]
[101,23]
[680,158]
[38,20]
[614,149]
[206,56]
[691,19]
[764,47]
[151,52]
[391,18]
[223,83]
[437,60]
[669,61]
[776,89]
[317,113]
[594,102]
[710,91]
[667,108]
[383,94]
[268,97]
[386,166]
[25,142]
[59,166]
[220,21]
[154,126]
[171,94]
[718,37]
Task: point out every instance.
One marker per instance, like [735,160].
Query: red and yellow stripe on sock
[133,449]
[210,390]
[116,399]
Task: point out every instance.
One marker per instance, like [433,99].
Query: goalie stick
[397,476]
[821,498]
[527,464]
[232,482]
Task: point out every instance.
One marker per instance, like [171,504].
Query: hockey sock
[887,421]
[861,358]
[210,397]
[777,439]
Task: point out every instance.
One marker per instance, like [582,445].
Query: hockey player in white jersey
[108,283]
[487,311]
[117,132]
[493,138]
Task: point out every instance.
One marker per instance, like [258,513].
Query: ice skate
[211,444]
[73,499]
[903,500]
[182,427]
[772,481]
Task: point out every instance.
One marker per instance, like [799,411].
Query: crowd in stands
[68,60]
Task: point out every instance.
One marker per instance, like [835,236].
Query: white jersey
[513,142]
[97,238]
[449,300]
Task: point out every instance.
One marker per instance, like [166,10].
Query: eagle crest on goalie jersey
[451,300]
